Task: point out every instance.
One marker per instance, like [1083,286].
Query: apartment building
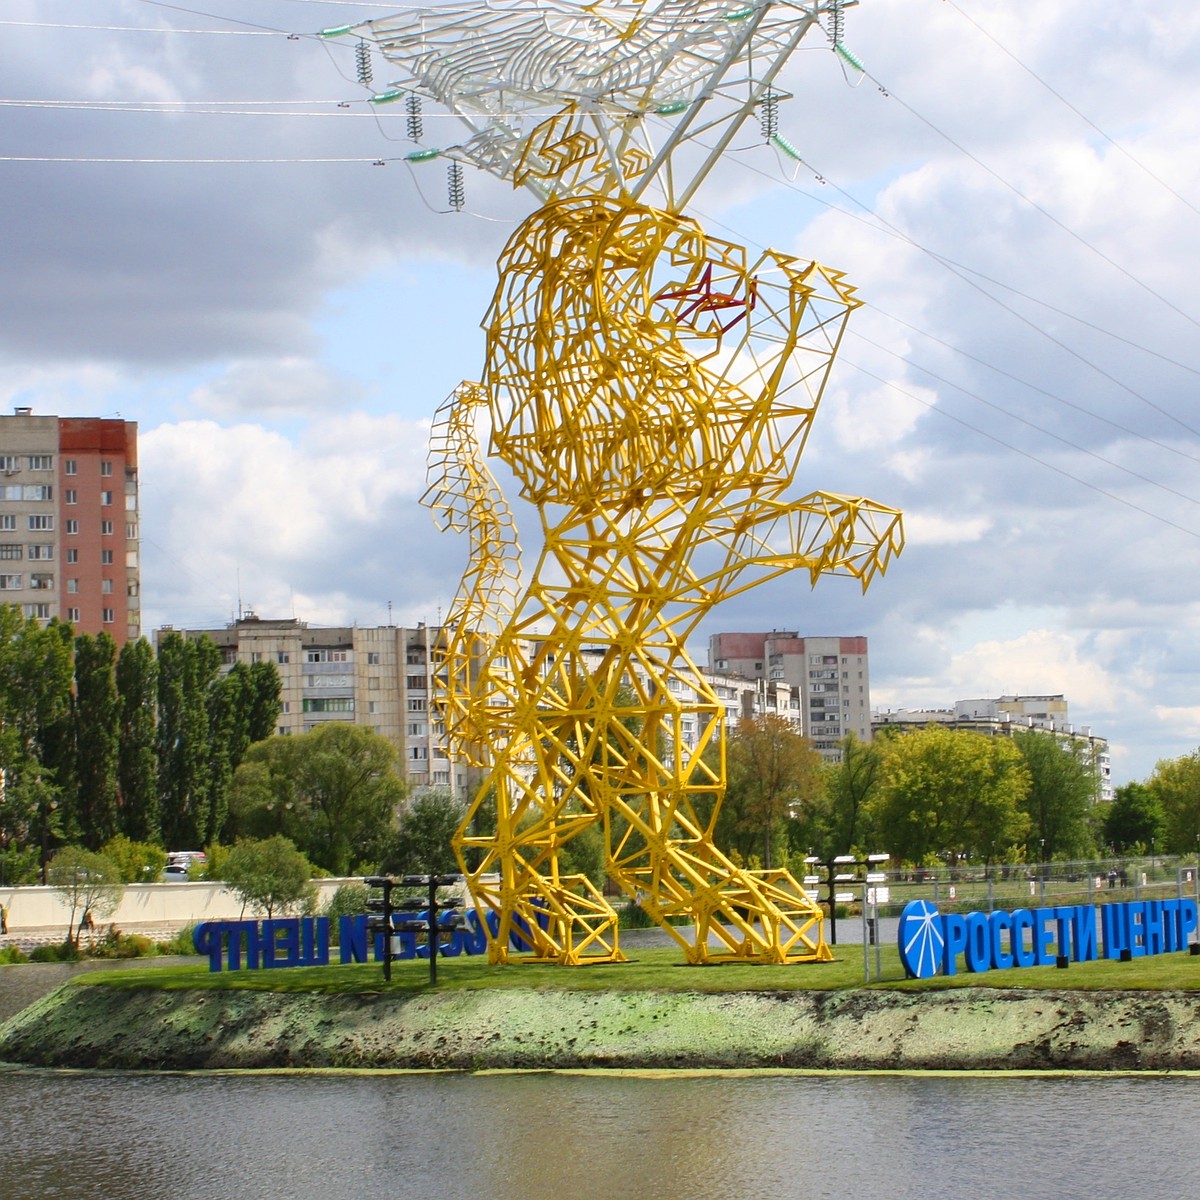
[376,676]
[69,536]
[1003,716]
[829,678]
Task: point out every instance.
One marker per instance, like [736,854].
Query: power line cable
[1116,145]
[1023,453]
[904,358]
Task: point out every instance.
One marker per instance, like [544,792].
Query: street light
[834,876]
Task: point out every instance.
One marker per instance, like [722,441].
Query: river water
[718,1136]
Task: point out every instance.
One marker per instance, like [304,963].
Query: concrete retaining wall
[161,905]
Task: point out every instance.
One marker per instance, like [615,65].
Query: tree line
[96,743]
[941,796]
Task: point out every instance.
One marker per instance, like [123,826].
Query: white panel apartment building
[380,677]
[1003,716]
[829,677]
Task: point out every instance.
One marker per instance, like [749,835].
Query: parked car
[175,873]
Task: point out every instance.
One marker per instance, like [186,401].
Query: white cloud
[939,529]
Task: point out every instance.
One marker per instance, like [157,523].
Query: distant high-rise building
[829,677]
[69,521]
[378,676]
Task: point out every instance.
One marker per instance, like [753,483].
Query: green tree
[1062,788]
[262,697]
[186,668]
[839,824]
[137,763]
[270,875]
[772,770]
[36,741]
[421,841]
[952,793]
[89,884]
[138,862]
[1175,784]
[335,791]
[1136,820]
[97,710]
[243,707]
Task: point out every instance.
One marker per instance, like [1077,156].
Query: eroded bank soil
[971,1029]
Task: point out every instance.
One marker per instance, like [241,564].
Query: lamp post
[841,870]
[402,916]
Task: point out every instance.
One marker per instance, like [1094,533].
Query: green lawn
[657,969]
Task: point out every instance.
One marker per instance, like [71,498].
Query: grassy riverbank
[651,1012]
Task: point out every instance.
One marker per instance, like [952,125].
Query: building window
[71,526]
[416,705]
[415,682]
[106,558]
[72,586]
[70,467]
[72,556]
[106,586]
[329,704]
[107,616]
[417,752]
[131,531]
[41,462]
[287,706]
[71,496]
[10,583]
[131,501]
[37,491]
[8,521]
[11,551]
[106,528]
[373,683]
[72,614]
[40,522]
[41,583]
[106,497]
[372,658]
[282,656]
[105,467]
[40,611]
[416,729]
[131,589]
[37,550]
[10,463]
[372,706]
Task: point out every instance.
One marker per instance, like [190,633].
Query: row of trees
[945,795]
[96,743]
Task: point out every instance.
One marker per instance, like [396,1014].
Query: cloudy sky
[197,237]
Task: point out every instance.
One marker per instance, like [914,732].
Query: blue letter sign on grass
[930,941]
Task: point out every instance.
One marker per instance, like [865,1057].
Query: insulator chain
[362,60]
[455,186]
[768,115]
[412,105]
[837,23]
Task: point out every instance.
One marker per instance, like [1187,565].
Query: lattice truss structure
[651,389]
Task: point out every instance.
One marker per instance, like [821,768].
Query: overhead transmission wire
[1040,208]
[937,410]
[942,260]
[1113,142]
[932,374]
[1041,462]
[885,226]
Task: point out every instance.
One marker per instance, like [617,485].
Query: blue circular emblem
[921,939]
